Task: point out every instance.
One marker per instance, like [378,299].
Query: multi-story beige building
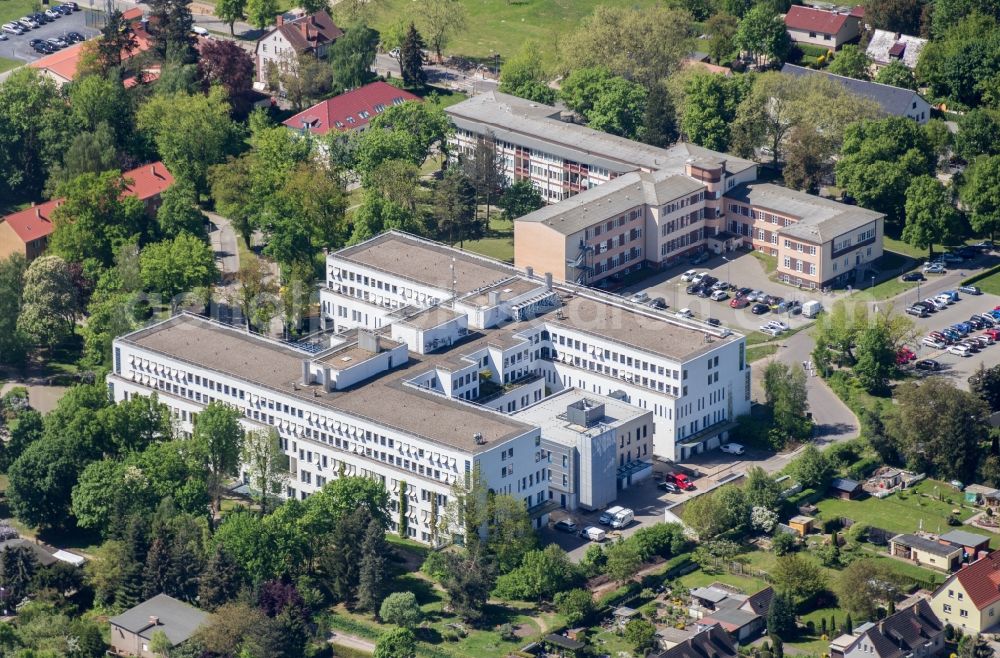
[970,599]
[616,205]
[818,242]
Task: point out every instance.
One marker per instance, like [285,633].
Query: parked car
[779,324]
[669,487]
[987,320]
[658,303]
[927,364]
[951,257]
[769,330]
[743,292]
[918,311]
[934,268]
[56,42]
[703,291]
[926,305]
[590,532]
[914,276]
[971,290]
[564,525]
[53,14]
[27,23]
[689,275]
[681,480]
[698,277]
[937,304]
[13,28]
[755,295]
[904,355]
[976,323]
[713,321]
[943,297]
[759,308]
[693,288]
[685,313]
[968,251]
[699,258]
[719,295]
[993,333]
[930,341]
[960,350]
[75,37]
[708,281]
[640,297]
[957,484]
[609,514]
[72,5]
[732,448]
[721,285]
[739,302]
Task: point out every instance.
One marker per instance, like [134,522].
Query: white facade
[418,383]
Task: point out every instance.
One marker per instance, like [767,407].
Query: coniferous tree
[486,171]
[341,557]
[372,574]
[781,616]
[136,546]
[17,567]
[659,124]
[186,560]
[411,58]
[170,25]
[154,574]
[848,624]
[220,580]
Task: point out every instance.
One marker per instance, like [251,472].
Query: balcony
[490,390]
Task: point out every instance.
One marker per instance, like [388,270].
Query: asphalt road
[16,47]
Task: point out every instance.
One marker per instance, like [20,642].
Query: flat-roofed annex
[425,262]
[383,400]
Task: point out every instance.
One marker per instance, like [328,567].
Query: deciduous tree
[896,74]
[980,192]
[523,75]
[930,214]
[217,438]
[812,468]
[352,56]
[519,199]
[798,577]
[658,39]
[440,19]
[226,63]
[396,643]
[230,11]
[179,265]
[401,609]
[49,302]
[761,32]
[852,62]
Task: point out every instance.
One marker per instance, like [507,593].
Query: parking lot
[957,367]
[738,268]
[16,46]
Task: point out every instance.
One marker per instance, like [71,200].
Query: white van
[593,533]
[812,308]
[623,518]
[609,515]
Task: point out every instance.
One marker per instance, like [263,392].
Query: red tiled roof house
[817,27]
[310,34]
[970,598]
[350,111]
[27,231]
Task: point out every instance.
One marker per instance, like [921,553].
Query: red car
[739,302]
[681,480]
[904,356]
[993,333]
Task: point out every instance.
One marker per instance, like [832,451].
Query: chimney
[38,212]
[280,20]
[530,271]
[548,280]
[154,620]
[494,297]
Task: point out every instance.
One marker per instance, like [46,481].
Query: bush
[434,565]
[783,543]
[507,633]
[864,467]
[858,532]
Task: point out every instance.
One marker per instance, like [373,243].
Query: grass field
[501,25]
[8,64]
[759,352]
[11,10]
[499,244]
[898,514]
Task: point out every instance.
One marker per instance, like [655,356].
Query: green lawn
[770,263]
[760,352]
[900,247]
[898,514]
[8,64]
[989,284]
[700,578]
[499,248]
[11,10]
[501,25]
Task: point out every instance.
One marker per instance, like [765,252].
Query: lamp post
[729,279]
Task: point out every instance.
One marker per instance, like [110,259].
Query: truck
[812,308]
[593,533]
[623,518]
[681,480]
[609,514]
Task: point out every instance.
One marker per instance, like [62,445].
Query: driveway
[16,47]
[223,239]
